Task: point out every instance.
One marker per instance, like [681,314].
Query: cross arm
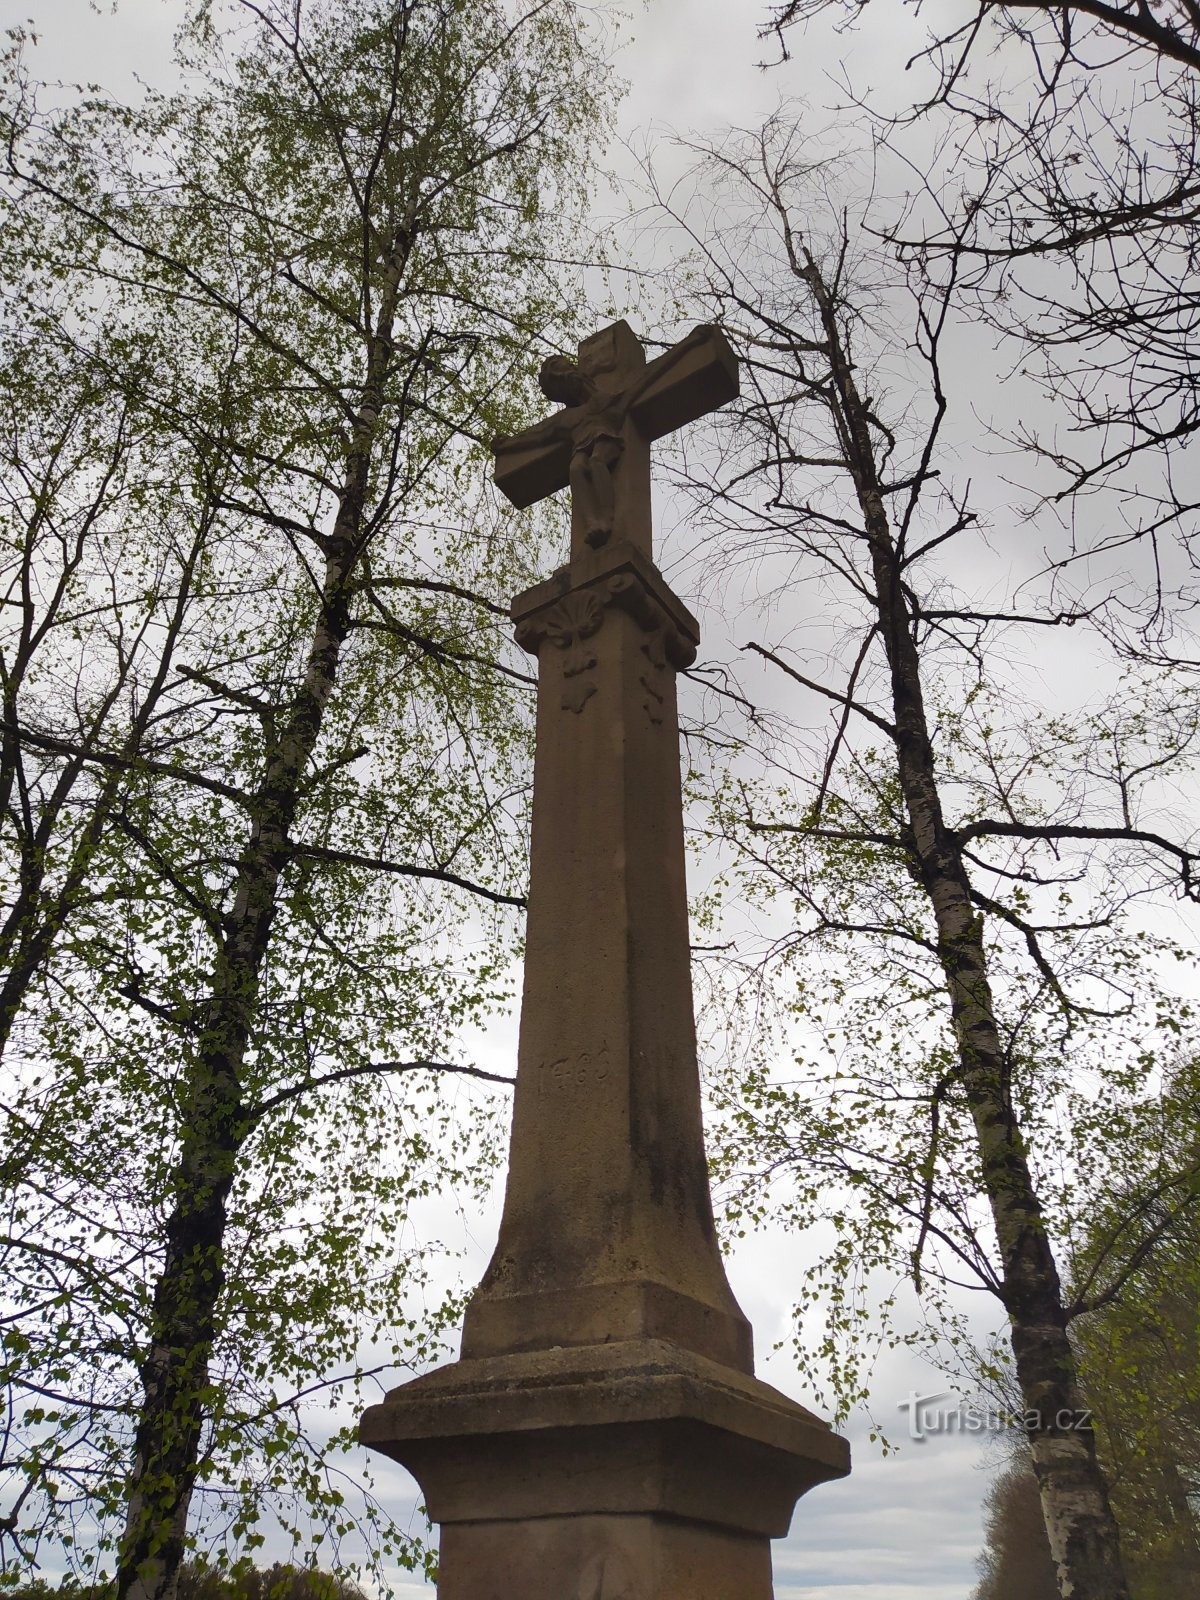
[536,462]
[691,379]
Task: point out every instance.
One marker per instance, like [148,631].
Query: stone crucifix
[602,1436]
[615,405]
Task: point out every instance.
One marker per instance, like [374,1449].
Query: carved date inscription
[574,1071]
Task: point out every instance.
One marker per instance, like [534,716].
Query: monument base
[626,1471]
[601,1558]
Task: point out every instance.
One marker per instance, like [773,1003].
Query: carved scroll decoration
[654,649]
[665,644]
[578,615]
[633,597]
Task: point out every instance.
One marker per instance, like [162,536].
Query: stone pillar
[602,1436]
[608,1229]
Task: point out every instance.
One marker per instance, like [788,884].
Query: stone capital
[568,608]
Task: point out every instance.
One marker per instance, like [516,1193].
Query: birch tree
[947,932]
[276,830]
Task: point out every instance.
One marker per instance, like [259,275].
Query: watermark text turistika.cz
[930,1414]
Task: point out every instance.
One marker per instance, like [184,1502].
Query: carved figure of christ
[615,404]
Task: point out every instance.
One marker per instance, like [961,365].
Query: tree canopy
[264,746]
[950,1018]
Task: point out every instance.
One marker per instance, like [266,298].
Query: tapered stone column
[602,1437]
[607,1230]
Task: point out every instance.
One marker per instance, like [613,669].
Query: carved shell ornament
[567,625]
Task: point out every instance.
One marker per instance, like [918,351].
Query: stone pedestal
[602,1437]
[623,1471]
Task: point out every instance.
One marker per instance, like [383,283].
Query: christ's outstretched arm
[558,428]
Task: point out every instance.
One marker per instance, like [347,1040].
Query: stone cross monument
[602,1436]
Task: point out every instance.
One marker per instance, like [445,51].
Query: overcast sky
[902,1528]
